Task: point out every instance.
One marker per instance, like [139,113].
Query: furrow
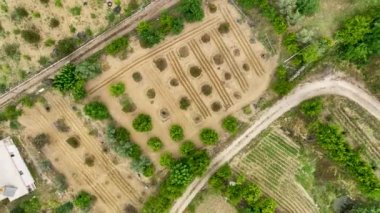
[113,174]
[187,86]
[244,44]
[100,191]
[230,61]
[163,47]
[211,74]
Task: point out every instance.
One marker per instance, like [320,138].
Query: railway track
[194,47]
[89,48]
[230,61]
[244,44]
[187,85]
[161,48]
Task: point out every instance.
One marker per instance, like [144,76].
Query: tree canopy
[230,124]
[209,136]
[176,133]
[96,110]
[142,123]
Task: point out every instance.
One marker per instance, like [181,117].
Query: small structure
[15,178]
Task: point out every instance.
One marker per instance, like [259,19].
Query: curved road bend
[331,85]
[89,48]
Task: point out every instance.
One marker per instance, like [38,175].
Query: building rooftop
[15,179]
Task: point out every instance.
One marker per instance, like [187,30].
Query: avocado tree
[142,123]
[209,136]
[96,110]
[176,133]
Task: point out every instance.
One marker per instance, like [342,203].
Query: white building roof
[13,172]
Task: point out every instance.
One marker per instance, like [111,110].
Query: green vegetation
[155,143]
[73,142]
[187,148]
[331,139]
[209,136]
[32,205]
[119,139]
[75,11]
[230,124]
[64,208]
[182,172]
[64,47]
[167,160]
[142,123]
[117,89]
[53,23]
[267,10]
[176,133]
[184,103]
[307,7]
[117,46]
[224,28]
[147,34]
[191,10]
[73,78]
[84,200]
[30,36]
[96,110]
[19,13]
[143,165]
[244,195]
[312,108]
[40,140]
[9,113]
[281,84]
[12,50]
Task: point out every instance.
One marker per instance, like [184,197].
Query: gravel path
[330,85]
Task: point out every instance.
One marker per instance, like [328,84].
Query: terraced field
[272,162]
[362,129]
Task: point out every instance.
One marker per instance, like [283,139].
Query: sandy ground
[243,87]
[330,85]
[110,179]
[215,204]
[92,16]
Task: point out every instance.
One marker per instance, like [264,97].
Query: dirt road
[94,45]
[331,85]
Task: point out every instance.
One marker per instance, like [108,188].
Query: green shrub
[53,23]
[307,7]
[31,205]
[120,141]
[43,61]
[66,79]
[60,182]
[281,85]
[167,160]
[147,35]
[312,108]
[96,110]
[83,200]
[12,50]
[127,104]
[184,103]
[191,10]
[19,13]
[58,3]
[49,42]
[73,142]
[209,136]
[118,45]
[142,123]
[187,148]
[30,36]
[176,133]
[224,28]
[75,11]
[143,165]
[64,47]
[10,112]
[64,208]
[117,89]
[155,144]
[41,140]
[28,100]
[230,124]
[44,1]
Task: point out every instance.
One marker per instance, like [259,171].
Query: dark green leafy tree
[191,10]
[155,143]
[83,200]
[142,123]
[31,205]
[209,136]
[230,124]
[178,25]
[187,148]
[176,133]
[312,108]
[117,46]
[66,79]
[89,68]
[79,90]
[147,34]
[96,110]
[10,112]
[64,208]
[167,160]
[117,89]
[281,85]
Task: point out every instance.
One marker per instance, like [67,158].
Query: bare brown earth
[110,179]
[242,87]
